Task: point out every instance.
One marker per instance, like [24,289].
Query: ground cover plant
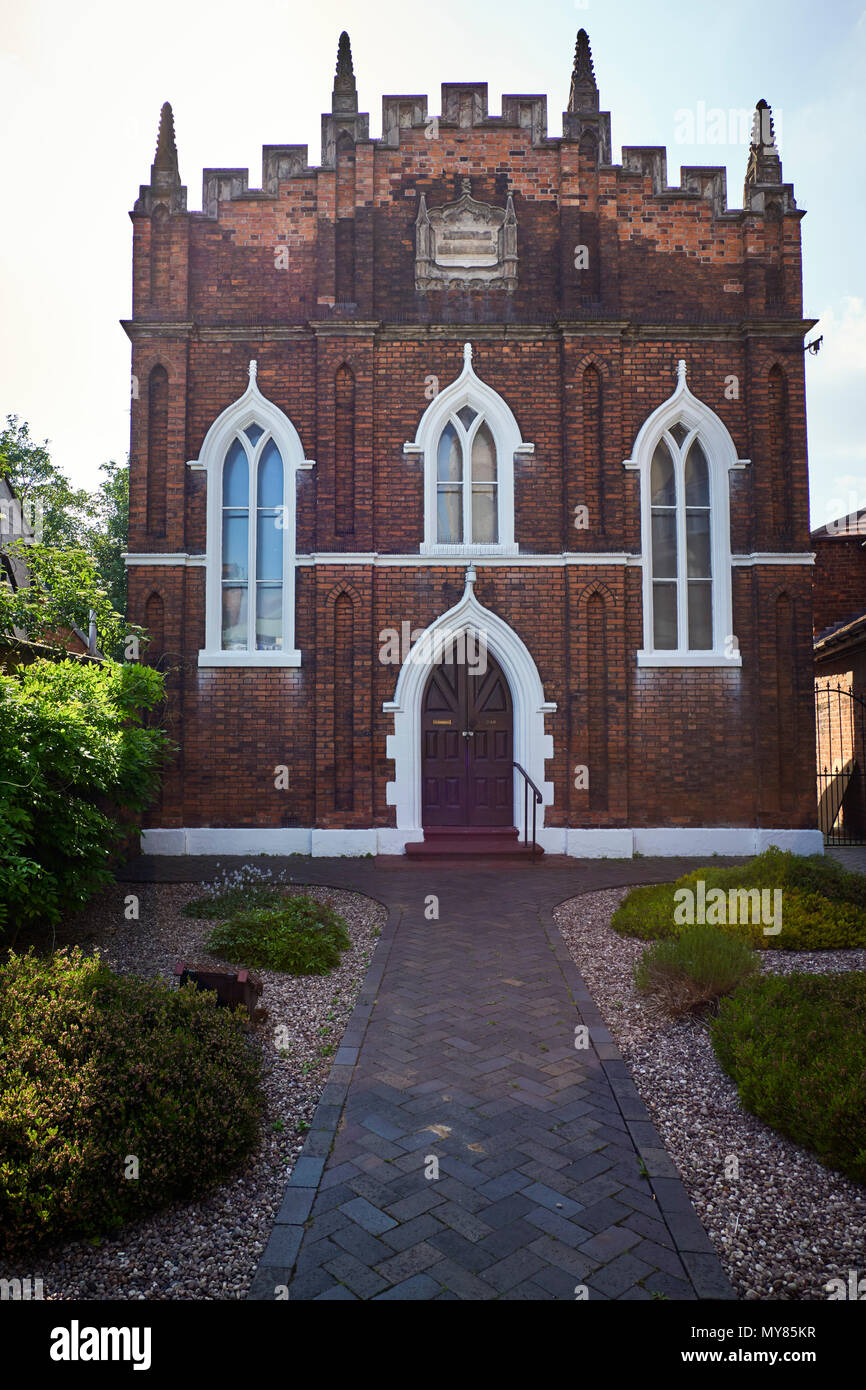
[299,936]
[258,925]
[795,1045]
[690,971]
[823,905]
[117,1096]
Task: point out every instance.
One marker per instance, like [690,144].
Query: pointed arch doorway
[467,746]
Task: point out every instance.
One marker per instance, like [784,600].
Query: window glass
[450,514]
[269,549]
[662,481]
[665,617]
[450,457]
[700,617]
[236,477]
[697,477]
[484,519]
[483,457]
[698,544]
[269,617]
[235,545]
[234,618]
[664,528]
[270,477]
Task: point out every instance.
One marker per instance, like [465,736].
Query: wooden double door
[467,735]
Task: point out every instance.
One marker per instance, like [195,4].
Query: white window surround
[250,408]
[468,389]
[684,408]
[532,746]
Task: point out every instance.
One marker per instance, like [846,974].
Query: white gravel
[786,1225]
[209,1249]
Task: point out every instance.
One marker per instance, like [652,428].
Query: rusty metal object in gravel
[233,987]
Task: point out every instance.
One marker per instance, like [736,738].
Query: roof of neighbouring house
[850,633]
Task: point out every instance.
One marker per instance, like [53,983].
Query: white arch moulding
[532,746]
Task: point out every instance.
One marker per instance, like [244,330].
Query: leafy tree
[63,589]
[76,757]
[65,516]
[108,529]
[58,511]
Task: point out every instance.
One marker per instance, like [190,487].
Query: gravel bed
[786,1225]
[209,1249]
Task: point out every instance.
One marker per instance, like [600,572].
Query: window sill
[689,659]
[249,659]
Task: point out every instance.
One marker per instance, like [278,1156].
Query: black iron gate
[840,727]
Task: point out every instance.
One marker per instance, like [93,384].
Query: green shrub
[300,936]
[689,971]
[74,757]
[796,1047]
[96,1067]
[823,905]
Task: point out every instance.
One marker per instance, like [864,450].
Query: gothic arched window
[467,501]
[252,454]
[684,455]
[468,439]
[252,556]
[682,564]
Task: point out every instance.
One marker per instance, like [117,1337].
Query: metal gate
[840,727]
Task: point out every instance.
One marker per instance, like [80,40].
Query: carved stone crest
[466,244]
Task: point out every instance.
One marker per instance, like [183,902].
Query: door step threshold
[471,843]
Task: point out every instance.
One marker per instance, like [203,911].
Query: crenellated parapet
[434,209]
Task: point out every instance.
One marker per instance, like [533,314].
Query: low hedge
[690,971]
[823,905]
[795,1045]
[96,1068]
[299,936]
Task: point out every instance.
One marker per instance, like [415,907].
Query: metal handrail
[536,801]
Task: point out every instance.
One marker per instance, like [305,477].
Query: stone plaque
[466,244]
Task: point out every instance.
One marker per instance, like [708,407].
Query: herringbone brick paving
[480,1137]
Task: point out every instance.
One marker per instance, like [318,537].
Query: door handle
[468,733]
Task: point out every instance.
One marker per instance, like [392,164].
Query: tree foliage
[75,756]
[57,511]
[63,590]
[65,517]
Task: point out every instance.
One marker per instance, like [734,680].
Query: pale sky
[82,85]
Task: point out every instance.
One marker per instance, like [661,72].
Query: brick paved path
[461,1049]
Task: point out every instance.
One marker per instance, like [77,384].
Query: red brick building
[839,606]
[469,384]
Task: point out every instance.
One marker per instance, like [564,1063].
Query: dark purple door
[466,747]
